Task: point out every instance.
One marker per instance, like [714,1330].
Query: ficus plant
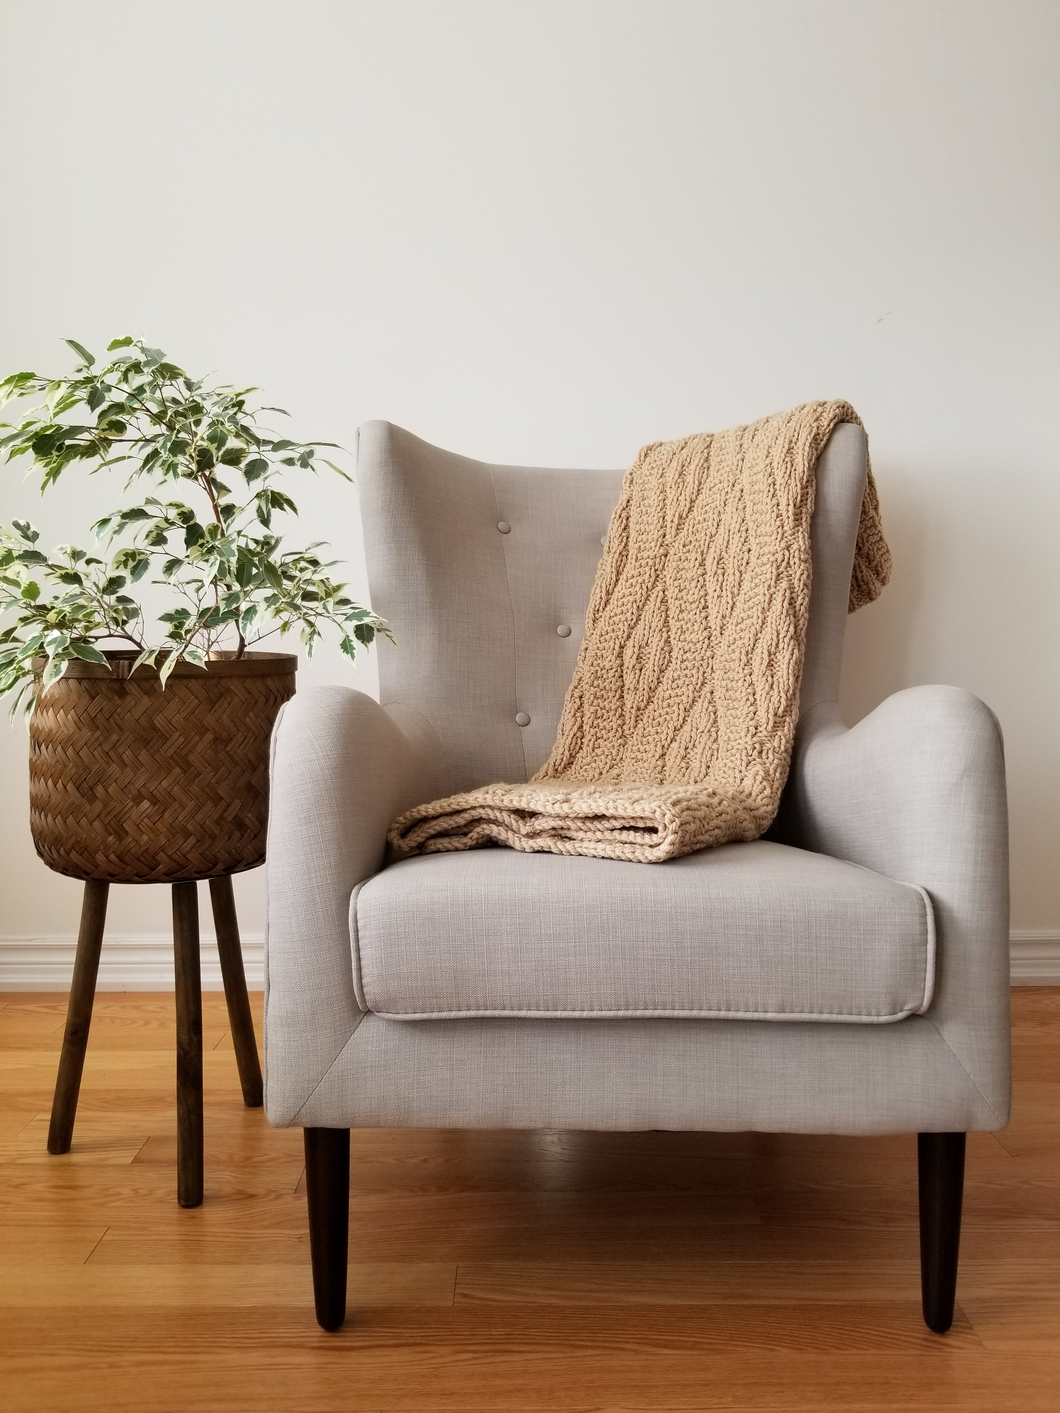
[207,531]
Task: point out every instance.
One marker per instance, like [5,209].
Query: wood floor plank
[432,1361]
[102,1285]
[689,1283]
[579,1273]
[127,1137]
[142,1193]
[419,1162]
[259,1145]
[993,1260]
[134,1069]
[1035,1113]
[97,1143]
[14,1118]
[1017,1324]
[1035,1054]
[820,1278]
[1029,1199]
[145,1036]
[35,1246]
[22,1028]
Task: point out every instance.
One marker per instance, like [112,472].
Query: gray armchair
[846,974]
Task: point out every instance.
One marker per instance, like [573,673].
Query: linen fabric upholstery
[759,931]
[915,791]
[475,610]
[718,1076]
[677,726]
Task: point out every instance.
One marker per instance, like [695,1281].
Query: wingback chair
[847,974]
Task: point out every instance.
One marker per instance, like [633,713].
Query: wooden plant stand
[189,1020]
[136,781]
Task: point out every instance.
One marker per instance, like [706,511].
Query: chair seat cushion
[757,931]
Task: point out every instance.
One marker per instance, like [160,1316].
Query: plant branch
[232,574]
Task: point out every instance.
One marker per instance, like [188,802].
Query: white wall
[549,231]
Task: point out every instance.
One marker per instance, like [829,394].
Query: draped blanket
[678,724]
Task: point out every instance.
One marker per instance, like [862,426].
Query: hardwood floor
[503,1270]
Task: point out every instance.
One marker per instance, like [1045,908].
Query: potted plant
[149,751]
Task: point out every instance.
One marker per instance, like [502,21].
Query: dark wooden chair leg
[235,982]
[327,1180]
[78,1016]
[189,1043]
[940,1161]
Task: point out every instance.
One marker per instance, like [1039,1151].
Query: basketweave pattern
[133,784]
[677,728]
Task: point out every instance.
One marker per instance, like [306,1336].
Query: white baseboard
[1035,954]
[145,963]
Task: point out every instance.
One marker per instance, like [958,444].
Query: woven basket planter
[130,783]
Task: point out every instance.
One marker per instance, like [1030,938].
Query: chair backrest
[481,570]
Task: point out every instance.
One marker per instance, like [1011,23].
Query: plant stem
[204,481]
[119,633]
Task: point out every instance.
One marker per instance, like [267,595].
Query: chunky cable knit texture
[677,728]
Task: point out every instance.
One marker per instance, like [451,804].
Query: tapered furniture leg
[940,1161]
[327,1180]
[78,1016]
[226,926]
[189,1043]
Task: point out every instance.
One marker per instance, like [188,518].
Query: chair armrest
[342,769]
[916,790]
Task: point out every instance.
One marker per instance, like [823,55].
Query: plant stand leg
[235,982]
[940,1160]
[327,1181]
[78,1016]
[189,1043]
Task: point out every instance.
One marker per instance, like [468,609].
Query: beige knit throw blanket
[677,728]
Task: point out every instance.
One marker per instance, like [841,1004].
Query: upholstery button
[504,527]
[521,719]
[564,630]
[603,539]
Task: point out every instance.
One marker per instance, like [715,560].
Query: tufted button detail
[521,719]
[504,527]
[564,630]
